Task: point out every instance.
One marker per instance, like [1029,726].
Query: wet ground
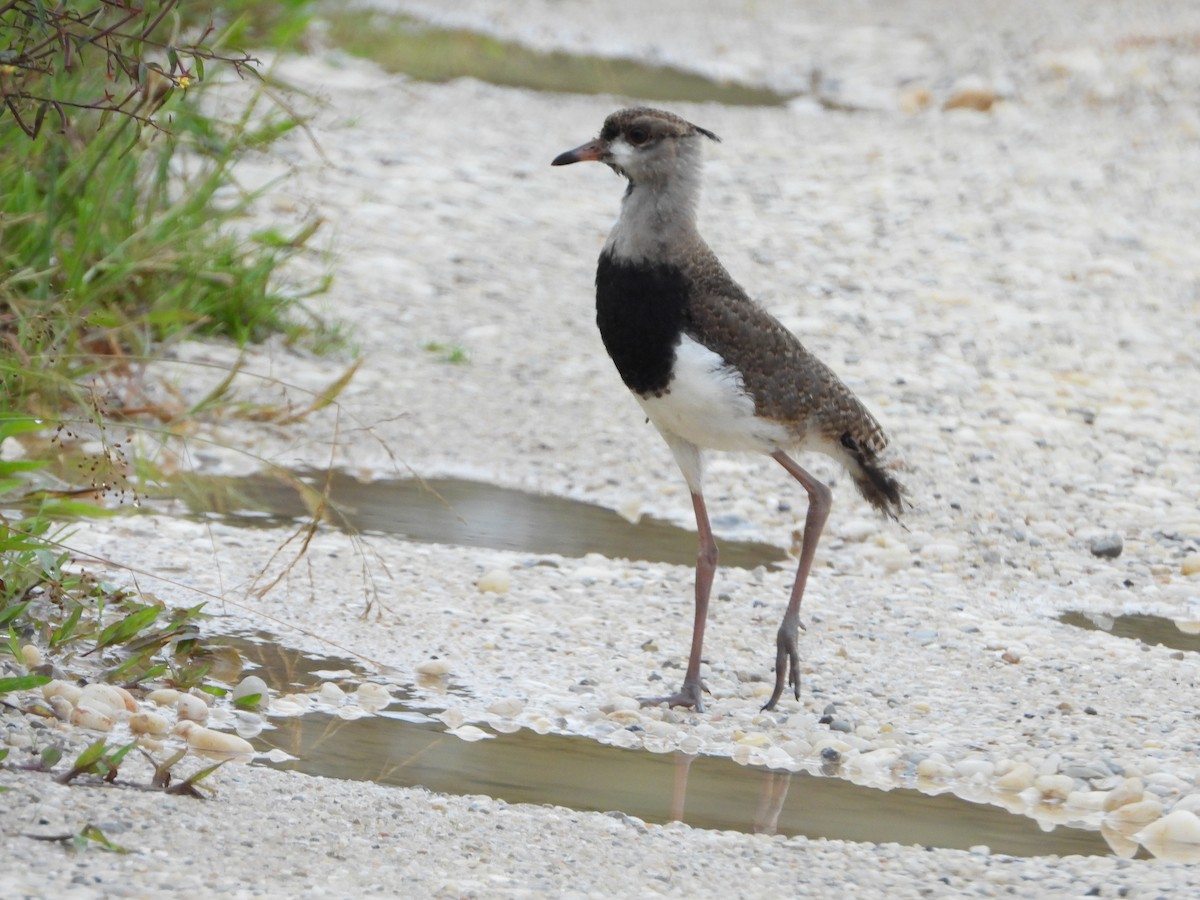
[403,746]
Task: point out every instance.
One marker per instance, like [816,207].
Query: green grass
[405,45]
[117,238]
[105,246]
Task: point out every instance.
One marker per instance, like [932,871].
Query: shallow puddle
[404,747]
[453,511]
[408,46]
[1136,626]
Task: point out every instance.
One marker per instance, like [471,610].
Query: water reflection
[1137,626]
[403,746]
[452,511]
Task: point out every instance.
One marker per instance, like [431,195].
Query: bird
[712,369]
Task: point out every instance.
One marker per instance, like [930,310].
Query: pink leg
[706,567]
[787,655]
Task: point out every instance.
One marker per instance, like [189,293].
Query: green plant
[104,56]
[454,354]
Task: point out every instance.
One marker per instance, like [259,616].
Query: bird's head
[645,145]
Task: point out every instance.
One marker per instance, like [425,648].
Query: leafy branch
[106,56]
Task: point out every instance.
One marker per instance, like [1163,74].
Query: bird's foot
[787,661]
[688,695]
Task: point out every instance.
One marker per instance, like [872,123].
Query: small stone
[980,99]
[751,739]
[148,723]
[434,667]
[916,99]
[1088,800]
[1179,826]
[470,733]
[250,686]
[102,698]
[1191,803]
[31,656]
[190,708]
[496,581]
[1020,777]
[1190,565]
[941,551]
[933,768]
[1055,788]
[969,768]
[62,708]
[69,692]
[94,719]
[332,694]
[1085,771]
[1130,790]
[163,697]
[373,696]
[507,706]
[1135,813]
[1107,547]
[215,743]
[841,725]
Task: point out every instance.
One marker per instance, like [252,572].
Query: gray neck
[658,214]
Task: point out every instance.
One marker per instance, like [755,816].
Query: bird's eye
[638,135]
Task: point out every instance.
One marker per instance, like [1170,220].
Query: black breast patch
[641,309]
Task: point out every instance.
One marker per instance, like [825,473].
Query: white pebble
[507,706]
[86,717]
[1018,778]
[434,667]
[62,708]
[1055,787]
[1089,800]
[191,708]
[470,733]
[495,581]
[1135,813]
[373,696]
[31,656]
[163,697]
[1128,791]
[1191,803]
[212,742]
[248,687]
[69,692]
[857,530]
[943,551]
[451,717]
[102,698]
[969,768]
[1179,826]
[148,723]
[332,694]
[931,767]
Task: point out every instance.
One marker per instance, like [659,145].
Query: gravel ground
[1014,292]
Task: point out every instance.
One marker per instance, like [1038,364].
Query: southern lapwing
[711,368]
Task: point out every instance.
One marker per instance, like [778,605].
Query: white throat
[658,212]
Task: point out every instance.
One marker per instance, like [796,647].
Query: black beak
[592,150]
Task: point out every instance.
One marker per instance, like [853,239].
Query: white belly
[707,405]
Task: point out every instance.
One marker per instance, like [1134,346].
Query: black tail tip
[881,490]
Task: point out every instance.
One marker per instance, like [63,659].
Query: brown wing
[788,383]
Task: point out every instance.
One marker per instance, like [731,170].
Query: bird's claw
[688,695]
[787,662]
